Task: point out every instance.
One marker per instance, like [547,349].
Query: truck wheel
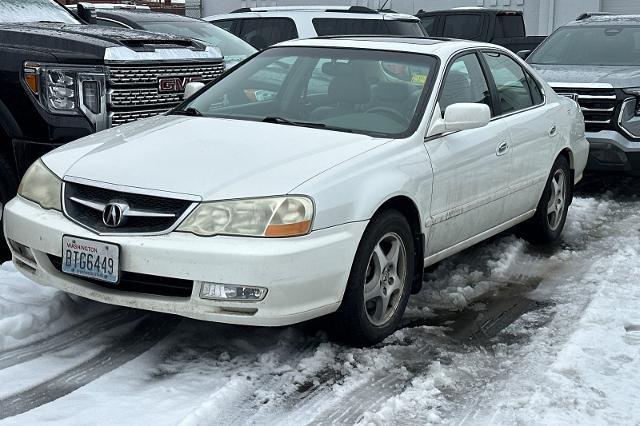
[8,187]
[546,225]
[379,284]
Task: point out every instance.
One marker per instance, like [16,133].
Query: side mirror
[524,54]
[191,89]
[87,12]
[461,116]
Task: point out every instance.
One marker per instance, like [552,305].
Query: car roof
[143,16]
[443,47]
[343,12]
[468,9]
[607,20]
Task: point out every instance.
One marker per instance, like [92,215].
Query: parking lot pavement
[503,332]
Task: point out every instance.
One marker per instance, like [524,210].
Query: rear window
[346,26]
[428,23]
[462,26]
[509,26]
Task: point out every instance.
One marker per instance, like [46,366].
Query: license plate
[91,259]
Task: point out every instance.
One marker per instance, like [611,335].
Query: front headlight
[69,90]
[41,186]
[629,119]
[261,217]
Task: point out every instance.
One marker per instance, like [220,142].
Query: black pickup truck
[503,27]
[61,79]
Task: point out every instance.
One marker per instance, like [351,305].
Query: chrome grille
[598,105]
[160,214]
[133,89]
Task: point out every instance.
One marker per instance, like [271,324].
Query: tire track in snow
[124,349]
[68,337]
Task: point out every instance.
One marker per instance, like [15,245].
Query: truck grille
[134,90]
[598,106]
[149,214]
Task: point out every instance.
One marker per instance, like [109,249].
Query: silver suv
[596,61]
[264,26]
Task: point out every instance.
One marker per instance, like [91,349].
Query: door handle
[502,148]
[553,131]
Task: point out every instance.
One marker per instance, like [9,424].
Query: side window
[264,32]
[463,26]
[511,82]
[465,82]
[509,26]
[428,23]
[110,23]
[536,91]
[225,25]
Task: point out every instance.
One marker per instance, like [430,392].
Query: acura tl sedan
[317,178]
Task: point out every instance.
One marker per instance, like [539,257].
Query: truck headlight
[41,186]
[287,216]
[69,90]
[629,119]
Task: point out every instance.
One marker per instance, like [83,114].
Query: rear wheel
[379,284]
[8,186]
[547,224]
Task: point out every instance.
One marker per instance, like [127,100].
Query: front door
[470,167]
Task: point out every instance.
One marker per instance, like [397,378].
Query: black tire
[8,187]
[545,227]
[354,322]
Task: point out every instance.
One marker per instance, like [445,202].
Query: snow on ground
[502,333]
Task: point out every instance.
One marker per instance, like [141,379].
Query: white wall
[541,16]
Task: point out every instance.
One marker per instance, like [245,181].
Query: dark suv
[596,62]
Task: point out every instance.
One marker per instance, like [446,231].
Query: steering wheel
[390,113]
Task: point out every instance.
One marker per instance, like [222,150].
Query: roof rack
[588,15]
[339,9]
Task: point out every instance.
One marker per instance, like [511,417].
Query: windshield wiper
[281,120]
[191,111]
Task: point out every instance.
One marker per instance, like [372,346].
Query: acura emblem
[113,214]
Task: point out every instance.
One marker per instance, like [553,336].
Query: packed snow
[503,333]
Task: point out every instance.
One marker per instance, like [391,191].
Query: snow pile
[29,311]
[596,375]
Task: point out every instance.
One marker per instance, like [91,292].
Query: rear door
[471,167]
[532,127]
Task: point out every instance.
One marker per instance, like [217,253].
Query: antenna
[385,3]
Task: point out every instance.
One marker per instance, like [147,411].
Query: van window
[342,26]
[264,32]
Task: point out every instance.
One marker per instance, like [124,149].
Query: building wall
[541,16]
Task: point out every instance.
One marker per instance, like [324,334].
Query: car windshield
[590,45]
[353,90]
[35,11]
[230,45]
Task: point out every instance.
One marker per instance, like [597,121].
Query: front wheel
[551,213]
[379,284]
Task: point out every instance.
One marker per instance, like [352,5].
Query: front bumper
[305,276]
[610,151]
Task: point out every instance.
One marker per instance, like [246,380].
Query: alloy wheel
[385,279]
[557,199]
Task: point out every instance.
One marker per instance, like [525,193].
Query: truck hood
[212,158]
[87,44]
[619,77]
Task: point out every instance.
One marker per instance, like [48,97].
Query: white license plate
[91,259]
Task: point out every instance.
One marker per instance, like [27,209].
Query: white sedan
[320,177]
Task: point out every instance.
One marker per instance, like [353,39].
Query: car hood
[619,77]
[212,158]
[82,44]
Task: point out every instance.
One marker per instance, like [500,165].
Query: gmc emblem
[175,84]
